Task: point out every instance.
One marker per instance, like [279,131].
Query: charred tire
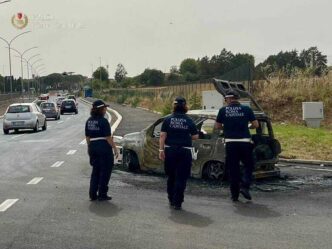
[6,131]
[130,161]
[213,170]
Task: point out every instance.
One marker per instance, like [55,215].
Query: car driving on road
[69,106]
[50,110]
[140,149]
[59,101]
[24,116]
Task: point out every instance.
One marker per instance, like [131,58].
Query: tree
[312,58]
[120,73]
[189,66]
[152,77]
[100,74]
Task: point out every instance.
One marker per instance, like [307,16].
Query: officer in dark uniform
[177,133]
[100,143]
[234,119]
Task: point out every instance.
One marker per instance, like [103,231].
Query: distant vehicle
[38,102]
[24,116]
[73,98]
[44,97]
[140,149]
[59,101]
[50,110]
[68,106]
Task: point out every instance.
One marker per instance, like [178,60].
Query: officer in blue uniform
[177,133]
[100,144]
[234,119]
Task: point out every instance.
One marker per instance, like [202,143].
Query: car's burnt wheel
[213,170]
[5,131]
[130,161]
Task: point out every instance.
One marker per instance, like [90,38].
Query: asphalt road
[56,212]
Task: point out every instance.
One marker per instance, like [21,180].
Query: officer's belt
[178,147]
[97,139]
[245,140]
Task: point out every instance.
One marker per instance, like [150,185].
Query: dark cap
[99,104]
[180,101]
[232,94]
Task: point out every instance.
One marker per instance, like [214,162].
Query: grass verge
[300,142]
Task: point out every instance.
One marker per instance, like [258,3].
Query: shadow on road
[104,209]
[189,218]
[255,210]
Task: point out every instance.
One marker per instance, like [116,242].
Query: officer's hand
[162,155]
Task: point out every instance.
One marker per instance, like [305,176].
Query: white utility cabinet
[313,113]
[212,100]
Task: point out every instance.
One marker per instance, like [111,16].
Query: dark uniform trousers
[236,152]
[178,163]
[102,161]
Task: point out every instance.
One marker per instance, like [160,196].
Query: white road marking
[326,170]
[57,164]
[35,180]
[17,136]
[71,152]
[36,141]
[7,204]
[83,142]
[60,122]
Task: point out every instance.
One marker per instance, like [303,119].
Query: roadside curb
[117,114]
[312,162]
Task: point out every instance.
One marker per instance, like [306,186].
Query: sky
[78,35]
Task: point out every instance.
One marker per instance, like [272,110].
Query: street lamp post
[7,1]
[9,43]
[21,56]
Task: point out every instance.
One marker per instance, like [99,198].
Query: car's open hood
[222,86]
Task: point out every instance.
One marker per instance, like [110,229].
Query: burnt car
[140,149]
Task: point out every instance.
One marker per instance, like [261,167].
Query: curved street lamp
[21,56]
[7,1]
[9,43]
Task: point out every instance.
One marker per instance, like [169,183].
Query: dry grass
[282,98]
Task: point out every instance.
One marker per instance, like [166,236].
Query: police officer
[100,143]
[177,133]
[234,119]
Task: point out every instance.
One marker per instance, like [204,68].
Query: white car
[24,116]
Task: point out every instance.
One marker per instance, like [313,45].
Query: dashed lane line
[83,142]
[57,164]
[71,152]
[7,204]
[35,181]
[60,122]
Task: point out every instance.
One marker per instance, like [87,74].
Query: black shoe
[235,199]
[104,198]
[245,193]
[177,207]
[93,198]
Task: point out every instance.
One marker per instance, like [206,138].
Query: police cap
[180,101]
[99,104]
[232,94]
